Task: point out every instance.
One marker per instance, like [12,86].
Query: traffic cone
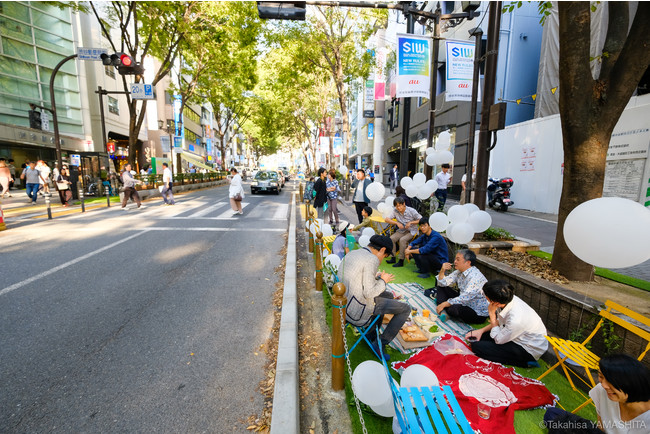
[3,226]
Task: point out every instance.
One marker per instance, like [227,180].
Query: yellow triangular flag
[518,101]
[553,90]
[534,97]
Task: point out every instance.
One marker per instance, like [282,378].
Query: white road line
[207,210]
[8,289]
[534,218]
[281,212]
[228,215]
[210,229]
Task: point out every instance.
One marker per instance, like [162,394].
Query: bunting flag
[533,97]
[553,90]
[518,101]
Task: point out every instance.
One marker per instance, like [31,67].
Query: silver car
[266,180]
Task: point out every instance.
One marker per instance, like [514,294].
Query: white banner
[460,70]
[413,66]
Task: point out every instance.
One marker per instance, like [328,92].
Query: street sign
[75,160]
[178,142]
[141,91]
[45,121]
[164,143]
[90,53]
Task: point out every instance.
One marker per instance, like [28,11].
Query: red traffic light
[126,60]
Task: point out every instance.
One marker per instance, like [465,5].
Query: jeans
[384,303]
[427,262]
[168,194]
[32,190]
[463,313]
[393,185]
[441,195]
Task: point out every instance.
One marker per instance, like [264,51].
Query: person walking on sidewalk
[5,179]
[63,186]
[129,187]
[333,190]
[394,178]
[320,188]
[31,177]
[236,192]
[443,179]
[406,219]
[167,193]
[360,199]
[44,177]
[365,289]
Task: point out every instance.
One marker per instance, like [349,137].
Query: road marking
[210,229]
[533,218]
[207,210]
[281,212]
[228,215]
[8,289]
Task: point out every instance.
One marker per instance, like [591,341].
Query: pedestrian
[5,179]
[366,291]
[31,177]
[129,187]
[167,193]
[333,190]
[236,192]
[12,170]
[429,250]
[442,179]
[63,186]
[320,189]
[463,184]
[394,178]
[44,177]
[360,199]
[406,219]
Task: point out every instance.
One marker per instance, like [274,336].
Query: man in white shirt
[463,184]
[516,333]
[443,179]
[167,193]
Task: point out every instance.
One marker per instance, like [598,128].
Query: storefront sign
[369,100]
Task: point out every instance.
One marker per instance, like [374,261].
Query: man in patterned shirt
[469,303]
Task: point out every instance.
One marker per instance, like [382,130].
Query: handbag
[237,197]
[62,185]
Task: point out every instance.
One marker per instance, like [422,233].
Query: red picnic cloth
[475,380]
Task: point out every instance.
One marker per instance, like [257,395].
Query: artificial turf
[526,421]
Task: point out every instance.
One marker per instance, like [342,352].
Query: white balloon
[370,384]
[386,409]
[364,240]
[446,157]
[405,182]
[423,192]
[333,260]
[457,214]
[449,232]
[432,184]
[429,151]
[444,141]
[480,221]
[418,376]
[327,231]
[412,190]
[626,224]
[419,179]
[463,233]
[375,191]
[389,201]
[369,232]
[471,208]
[431,159]
[325,253]
[381,207]
[343,169]
[439,221]
[387,212]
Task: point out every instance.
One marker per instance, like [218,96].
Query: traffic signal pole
[55,120]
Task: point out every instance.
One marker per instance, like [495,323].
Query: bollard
[311,234]
[81,197]
[108,196]
[347,189]
[318,258]
[48,200]
[301,191]
[339,303]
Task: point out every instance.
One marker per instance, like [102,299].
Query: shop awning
[196,160]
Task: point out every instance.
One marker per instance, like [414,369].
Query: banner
[413,66]
[460,70]
[369,100]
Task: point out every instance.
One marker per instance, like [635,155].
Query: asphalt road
[139,321]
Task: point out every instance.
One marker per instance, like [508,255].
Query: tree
[590,105]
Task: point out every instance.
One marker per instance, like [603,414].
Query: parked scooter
[499,193]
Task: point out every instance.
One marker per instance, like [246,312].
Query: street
[140,320]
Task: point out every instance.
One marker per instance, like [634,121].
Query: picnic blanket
[413,294]
[475,380]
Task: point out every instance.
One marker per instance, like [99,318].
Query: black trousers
[463,313]
[427,262]
[359,207]
[508,353]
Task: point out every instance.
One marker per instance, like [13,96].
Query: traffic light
[35,120]
[123,62]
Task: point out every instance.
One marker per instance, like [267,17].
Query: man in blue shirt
[429,250]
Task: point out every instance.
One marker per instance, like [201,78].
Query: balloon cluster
[440,153]
[364,239]
[418,186]
[461,222]
[370,384]
[609,232]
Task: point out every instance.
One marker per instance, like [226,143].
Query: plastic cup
[425,313]
[483,410]
[472,339]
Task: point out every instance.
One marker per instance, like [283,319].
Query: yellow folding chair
[581,355]
[327,242]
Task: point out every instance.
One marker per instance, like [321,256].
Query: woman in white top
[236,192]
[622,398]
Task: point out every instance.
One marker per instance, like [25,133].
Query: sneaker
[240,212]
[392,260]
[142,206]
[423,275]
[431,293]
[125,208]
[34,203]
[400,263]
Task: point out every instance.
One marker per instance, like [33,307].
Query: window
[113,105]
[109,70]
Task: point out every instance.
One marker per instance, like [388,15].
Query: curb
[285,417]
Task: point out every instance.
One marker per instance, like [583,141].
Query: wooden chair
[586,359]
[438,410]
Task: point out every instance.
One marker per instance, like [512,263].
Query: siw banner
[413,65]
[460,68]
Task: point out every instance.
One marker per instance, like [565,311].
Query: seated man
[406,219]
[366,290]
[468,303]
[515,335]
[429,250]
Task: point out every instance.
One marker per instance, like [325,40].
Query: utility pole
[406,125]
[428,170]
[483,160]
[477,32]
